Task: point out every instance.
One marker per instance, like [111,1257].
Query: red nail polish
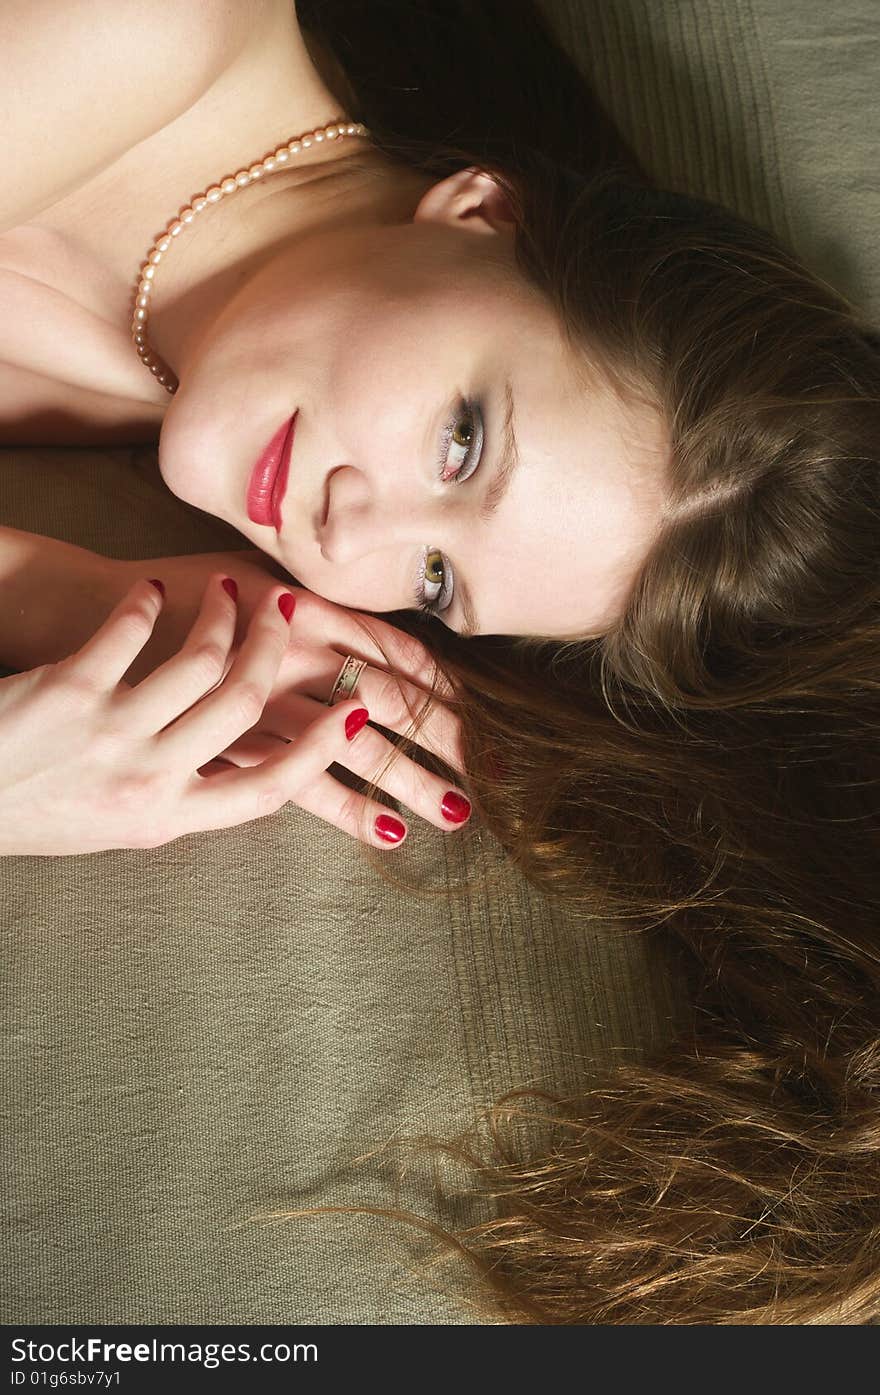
[158,585]
[230,585]
[455,807]
[391,830]
[355,721]
[287,605]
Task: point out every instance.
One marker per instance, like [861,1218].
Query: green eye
[468,435]
[464,433]
[433,583]
[434,567]
[459,434]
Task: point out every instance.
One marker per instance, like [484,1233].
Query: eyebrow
[508,461]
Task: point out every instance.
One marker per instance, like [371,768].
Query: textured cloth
[226,1025]
[766,106]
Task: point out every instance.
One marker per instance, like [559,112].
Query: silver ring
[346,679]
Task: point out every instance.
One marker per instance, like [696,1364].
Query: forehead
[584,504]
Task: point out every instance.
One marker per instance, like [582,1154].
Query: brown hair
[704,771]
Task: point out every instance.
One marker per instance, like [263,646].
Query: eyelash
[474,412]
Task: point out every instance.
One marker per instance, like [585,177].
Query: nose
[364,517]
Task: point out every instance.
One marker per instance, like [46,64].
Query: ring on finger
[346,680]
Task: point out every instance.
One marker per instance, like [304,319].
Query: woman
[702,674]
[340,210]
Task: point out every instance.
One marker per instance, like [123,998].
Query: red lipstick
[268,480]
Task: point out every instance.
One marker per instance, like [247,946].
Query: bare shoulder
[87,80]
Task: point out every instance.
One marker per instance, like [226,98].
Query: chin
[181,472]
[167,474]
[170,452]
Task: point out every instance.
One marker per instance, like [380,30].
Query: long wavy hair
[706,769]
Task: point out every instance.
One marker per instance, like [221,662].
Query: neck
[227,243]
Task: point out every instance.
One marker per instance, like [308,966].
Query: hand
[321,636]
[89,763]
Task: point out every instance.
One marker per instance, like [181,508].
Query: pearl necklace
[277,160]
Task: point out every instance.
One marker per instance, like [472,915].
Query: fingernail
[355,721]
[287,605]
[455,807]
[231,586]
[158,585]
[392,830]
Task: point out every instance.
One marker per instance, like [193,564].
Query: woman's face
[403,347]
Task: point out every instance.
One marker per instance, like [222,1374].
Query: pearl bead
[228,185]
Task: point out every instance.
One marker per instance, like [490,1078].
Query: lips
[268,481]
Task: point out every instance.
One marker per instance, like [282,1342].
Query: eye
[464,432]
[434,583]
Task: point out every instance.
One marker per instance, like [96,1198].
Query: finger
[395,703]
[237,703]
[253,748]
[175,686]
[215,767]
[296,774]
[288,712]
[353,813]
[363,635]
[105,658]
[434,798]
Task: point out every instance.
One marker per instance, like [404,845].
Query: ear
[469,199]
